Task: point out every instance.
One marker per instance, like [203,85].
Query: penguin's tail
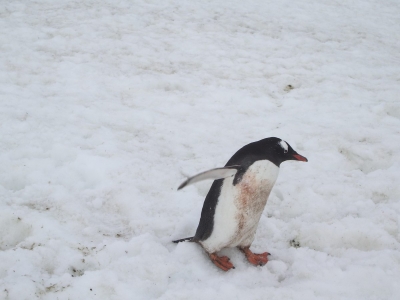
[190,239]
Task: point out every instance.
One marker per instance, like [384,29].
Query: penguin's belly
[239,207]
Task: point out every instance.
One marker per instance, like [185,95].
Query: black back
[265,149]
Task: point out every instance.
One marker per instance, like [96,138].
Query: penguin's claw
[222,262]
[255,259]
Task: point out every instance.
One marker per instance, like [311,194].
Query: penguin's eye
[284,146]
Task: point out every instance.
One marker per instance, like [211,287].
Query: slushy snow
[107,106]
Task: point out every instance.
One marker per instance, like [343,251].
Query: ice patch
[13,230]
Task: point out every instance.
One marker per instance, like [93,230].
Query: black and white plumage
[237,197]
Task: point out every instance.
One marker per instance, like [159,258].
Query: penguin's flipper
[218,173]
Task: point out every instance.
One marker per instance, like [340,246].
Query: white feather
[284,145]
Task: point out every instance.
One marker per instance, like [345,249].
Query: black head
[273,149]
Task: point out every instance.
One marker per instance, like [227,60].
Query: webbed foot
[222,262]
[253,258]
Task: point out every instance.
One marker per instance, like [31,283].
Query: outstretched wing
[218,173]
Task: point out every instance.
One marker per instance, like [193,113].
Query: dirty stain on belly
[250,201]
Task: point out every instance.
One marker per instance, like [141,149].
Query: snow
[106,106]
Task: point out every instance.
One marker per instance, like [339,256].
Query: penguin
[237,197]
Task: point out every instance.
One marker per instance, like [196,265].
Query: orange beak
[300,157]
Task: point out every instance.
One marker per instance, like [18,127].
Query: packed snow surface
[107,106]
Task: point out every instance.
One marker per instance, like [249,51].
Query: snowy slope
[106,106]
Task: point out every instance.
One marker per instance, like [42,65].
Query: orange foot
[221,262]
[255,259]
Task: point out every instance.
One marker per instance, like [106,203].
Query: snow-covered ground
[107,106]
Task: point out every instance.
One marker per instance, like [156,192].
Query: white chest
[240,207]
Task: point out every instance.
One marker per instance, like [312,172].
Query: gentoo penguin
[237,197]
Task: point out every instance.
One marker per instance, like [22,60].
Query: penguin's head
[273,149]
[282,151]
